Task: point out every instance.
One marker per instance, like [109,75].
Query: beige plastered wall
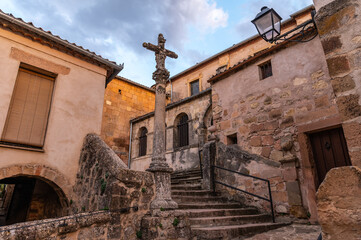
[181,85]
[76,107]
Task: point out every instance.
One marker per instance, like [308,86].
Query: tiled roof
[135,83]
[37,34]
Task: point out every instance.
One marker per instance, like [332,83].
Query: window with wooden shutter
[194,87]
[28,113]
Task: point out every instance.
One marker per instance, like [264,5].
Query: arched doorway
[27,198]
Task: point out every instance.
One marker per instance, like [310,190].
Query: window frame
[191,88]
[183,130]
[29,69]
[143,139]
[265,69]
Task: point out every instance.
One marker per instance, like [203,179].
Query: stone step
[186,187]
[208,205]
[207,193]
[195,199]
[198,213]
[186,181]
[176,175]
[229,220]
[233,231]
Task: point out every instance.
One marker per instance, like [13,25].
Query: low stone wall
[338,203]
[103,183]
[94,225]
[282,176]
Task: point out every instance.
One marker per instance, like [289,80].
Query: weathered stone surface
[349,106]
[337,65]
[343,84]
[292,232]
[338,203]
[165,225]
[331,44]
[286,142]
[294,194]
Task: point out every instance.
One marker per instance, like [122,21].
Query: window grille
[143,142]
[266,70]
[183,131]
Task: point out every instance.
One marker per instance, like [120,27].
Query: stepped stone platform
[213,216]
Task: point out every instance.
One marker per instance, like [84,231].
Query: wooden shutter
[29,109]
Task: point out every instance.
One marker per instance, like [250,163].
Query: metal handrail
[200,161]
[252,194]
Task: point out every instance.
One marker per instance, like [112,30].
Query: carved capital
[161,75]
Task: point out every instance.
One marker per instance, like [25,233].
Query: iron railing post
[213,167]
[213,179]
[271,202]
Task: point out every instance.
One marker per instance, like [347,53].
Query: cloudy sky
[116,29]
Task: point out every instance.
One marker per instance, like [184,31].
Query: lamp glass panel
[264,23]
[277,23]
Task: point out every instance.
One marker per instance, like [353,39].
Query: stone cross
[161,53]
[158,165]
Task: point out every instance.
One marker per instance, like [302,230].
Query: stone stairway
[213,216]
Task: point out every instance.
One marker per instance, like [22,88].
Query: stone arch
[47,174]
[207,118]
[205,123]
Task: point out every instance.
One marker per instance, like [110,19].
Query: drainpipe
[171,90]
[130,144]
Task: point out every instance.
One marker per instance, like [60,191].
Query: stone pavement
[292,232]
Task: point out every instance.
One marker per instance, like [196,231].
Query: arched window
[143,142]
[182,129]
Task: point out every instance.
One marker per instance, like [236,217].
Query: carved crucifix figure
[159,166]
[160,54]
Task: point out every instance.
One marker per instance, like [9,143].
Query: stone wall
[123,101]
[96,225]
[339,27]
[179,158]
[282,176]
[108,200]
[338,201]
[265,116]
[104,183]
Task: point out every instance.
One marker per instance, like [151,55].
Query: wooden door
[329,150]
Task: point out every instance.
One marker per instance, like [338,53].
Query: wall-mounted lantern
[268,25]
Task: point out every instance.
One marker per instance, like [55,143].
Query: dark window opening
[143,142]
[265,69]
[194,87]
[183,131]
[232,139]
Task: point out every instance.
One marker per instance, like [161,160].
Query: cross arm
[151,47]
[171,54]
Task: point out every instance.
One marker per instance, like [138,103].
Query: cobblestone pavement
[291,232]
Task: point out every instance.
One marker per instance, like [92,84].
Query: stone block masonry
[104,183]
[338,202]
[108,202]
[339,27]
[265,116]
[123,100]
